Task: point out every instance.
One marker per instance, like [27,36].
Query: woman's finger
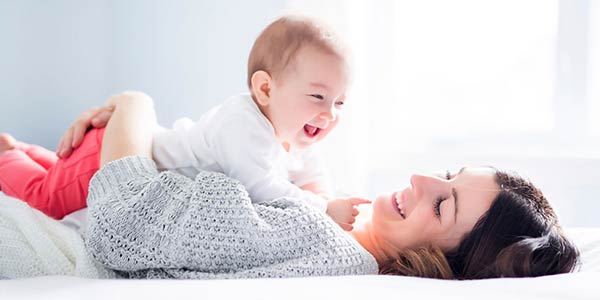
[73,137]
[355,212]
[65,149]
[79,130]
[101,118]
[82,124]
[60,146]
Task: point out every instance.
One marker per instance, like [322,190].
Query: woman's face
[436,209]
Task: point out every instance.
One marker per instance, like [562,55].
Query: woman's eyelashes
[436,206]
[446,175]
[440,199]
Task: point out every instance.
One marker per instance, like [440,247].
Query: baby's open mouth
[311,131]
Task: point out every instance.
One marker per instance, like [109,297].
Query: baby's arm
[318,188]
[342,210]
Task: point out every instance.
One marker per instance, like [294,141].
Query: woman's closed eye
[436,206]
[445,175]
[440,199]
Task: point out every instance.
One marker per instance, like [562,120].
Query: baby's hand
[343,211]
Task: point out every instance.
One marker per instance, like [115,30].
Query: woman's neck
[363,234]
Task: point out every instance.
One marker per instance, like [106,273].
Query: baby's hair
[278,44]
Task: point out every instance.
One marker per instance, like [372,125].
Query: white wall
[58,58]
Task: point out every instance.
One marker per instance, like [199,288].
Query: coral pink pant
[54,186]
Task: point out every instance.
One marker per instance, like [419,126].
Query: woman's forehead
[477,178]
[478,170]
[476,189]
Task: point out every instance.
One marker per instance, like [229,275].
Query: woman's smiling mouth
[398,204]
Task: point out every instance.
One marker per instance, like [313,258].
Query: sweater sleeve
[141,221]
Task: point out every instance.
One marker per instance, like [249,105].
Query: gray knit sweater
[146,224]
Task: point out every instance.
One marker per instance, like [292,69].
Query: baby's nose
[328,115]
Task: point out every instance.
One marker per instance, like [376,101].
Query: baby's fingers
[359,201]
[346,227]
[351,220]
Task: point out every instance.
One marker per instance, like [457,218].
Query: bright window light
[593,95]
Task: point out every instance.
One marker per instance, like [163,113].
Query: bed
[584,284]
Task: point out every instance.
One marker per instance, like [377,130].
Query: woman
[477,223]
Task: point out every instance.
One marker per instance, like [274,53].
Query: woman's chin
[380,208]
[384,209]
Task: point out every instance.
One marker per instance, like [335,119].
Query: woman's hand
[96,117]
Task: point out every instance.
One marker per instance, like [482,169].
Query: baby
[298,76]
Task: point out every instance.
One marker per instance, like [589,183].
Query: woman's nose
[422,183]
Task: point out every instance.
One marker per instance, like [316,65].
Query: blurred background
[437,84]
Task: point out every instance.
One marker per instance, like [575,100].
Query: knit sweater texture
[148,224]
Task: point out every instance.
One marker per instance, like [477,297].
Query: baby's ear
[261,87]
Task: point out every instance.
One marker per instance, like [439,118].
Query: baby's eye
[317,96]
[339,103]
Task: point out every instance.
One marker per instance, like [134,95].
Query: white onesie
[236,139]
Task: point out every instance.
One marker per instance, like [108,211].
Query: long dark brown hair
[519,236]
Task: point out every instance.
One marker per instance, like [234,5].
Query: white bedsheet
[584,284]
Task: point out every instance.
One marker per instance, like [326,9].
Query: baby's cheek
[323,134]
[331,127]
[336,121]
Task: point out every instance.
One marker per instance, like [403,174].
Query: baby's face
[306,102]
